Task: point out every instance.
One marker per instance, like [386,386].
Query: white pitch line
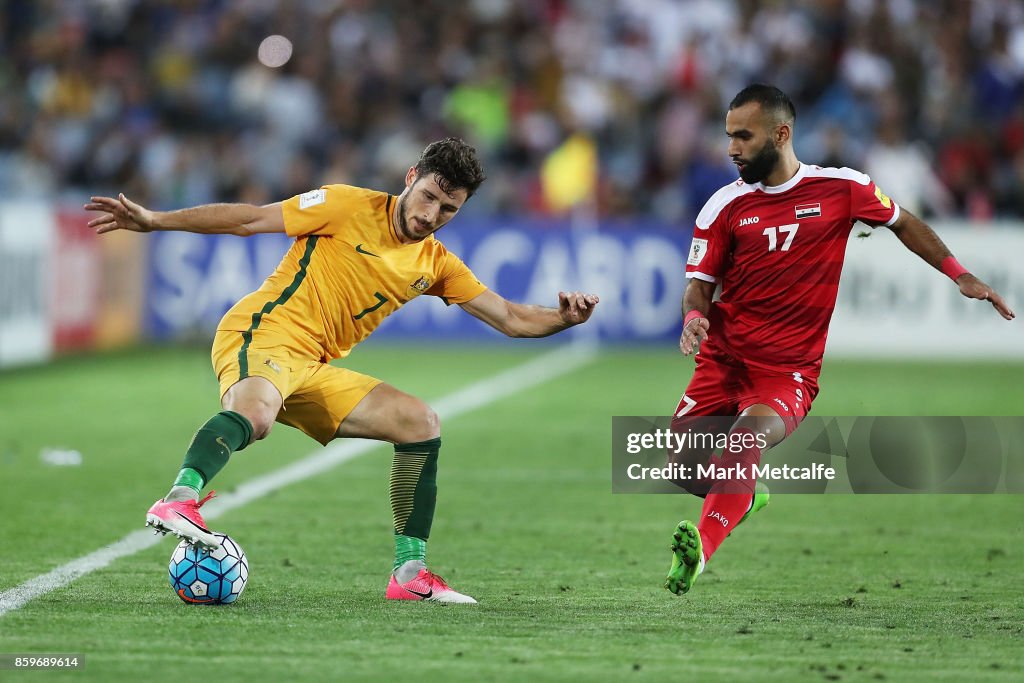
[538,370]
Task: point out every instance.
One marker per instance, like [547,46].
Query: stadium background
[600,125]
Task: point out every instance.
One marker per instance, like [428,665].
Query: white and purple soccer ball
[200,577]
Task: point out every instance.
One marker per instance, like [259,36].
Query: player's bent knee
[419,422]
[261,427]
[260,416]
[257,401]
[763,419]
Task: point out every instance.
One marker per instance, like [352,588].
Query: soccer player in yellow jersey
[358,256]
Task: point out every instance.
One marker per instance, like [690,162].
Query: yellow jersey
[346,271]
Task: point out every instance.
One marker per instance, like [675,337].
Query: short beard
[762,165]
[403,225]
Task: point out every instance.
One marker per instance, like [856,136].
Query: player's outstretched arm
[230,219]
[922,240]
[696,304]
[524,320]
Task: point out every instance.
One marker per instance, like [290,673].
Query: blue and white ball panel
[217,577]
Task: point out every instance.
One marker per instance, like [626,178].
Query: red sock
[728,499]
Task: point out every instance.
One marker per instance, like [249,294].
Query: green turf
[569,576]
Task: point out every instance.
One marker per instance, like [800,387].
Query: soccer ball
[209,578]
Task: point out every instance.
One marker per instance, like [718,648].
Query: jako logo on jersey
[421,285]
[808,210]
[718,515]
[782,403]
[750,220]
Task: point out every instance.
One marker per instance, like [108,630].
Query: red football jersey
[778,253]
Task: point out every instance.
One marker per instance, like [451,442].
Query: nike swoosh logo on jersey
[359,249]
[425,596]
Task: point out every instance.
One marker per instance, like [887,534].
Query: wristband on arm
[952,268]
[691,315]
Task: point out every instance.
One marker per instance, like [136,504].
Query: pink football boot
[425,586]
[182,519]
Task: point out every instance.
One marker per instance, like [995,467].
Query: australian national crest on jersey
[421,285]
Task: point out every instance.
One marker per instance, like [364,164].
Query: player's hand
[576,307]
[973,288]
[694,332]
[119,214]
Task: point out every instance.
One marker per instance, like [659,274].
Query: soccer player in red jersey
[775,241]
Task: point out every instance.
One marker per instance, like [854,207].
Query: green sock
[213,444]
[409,548]
[413,493]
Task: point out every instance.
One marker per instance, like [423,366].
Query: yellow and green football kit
[346,271]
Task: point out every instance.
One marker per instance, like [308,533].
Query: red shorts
[722,386]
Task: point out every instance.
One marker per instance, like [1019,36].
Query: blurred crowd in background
[622,102]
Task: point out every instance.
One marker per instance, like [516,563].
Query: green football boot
[687,558]
[761,497]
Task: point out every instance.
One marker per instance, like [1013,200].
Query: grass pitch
[568,575]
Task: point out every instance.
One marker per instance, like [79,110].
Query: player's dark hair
[769,97]
[454,163]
